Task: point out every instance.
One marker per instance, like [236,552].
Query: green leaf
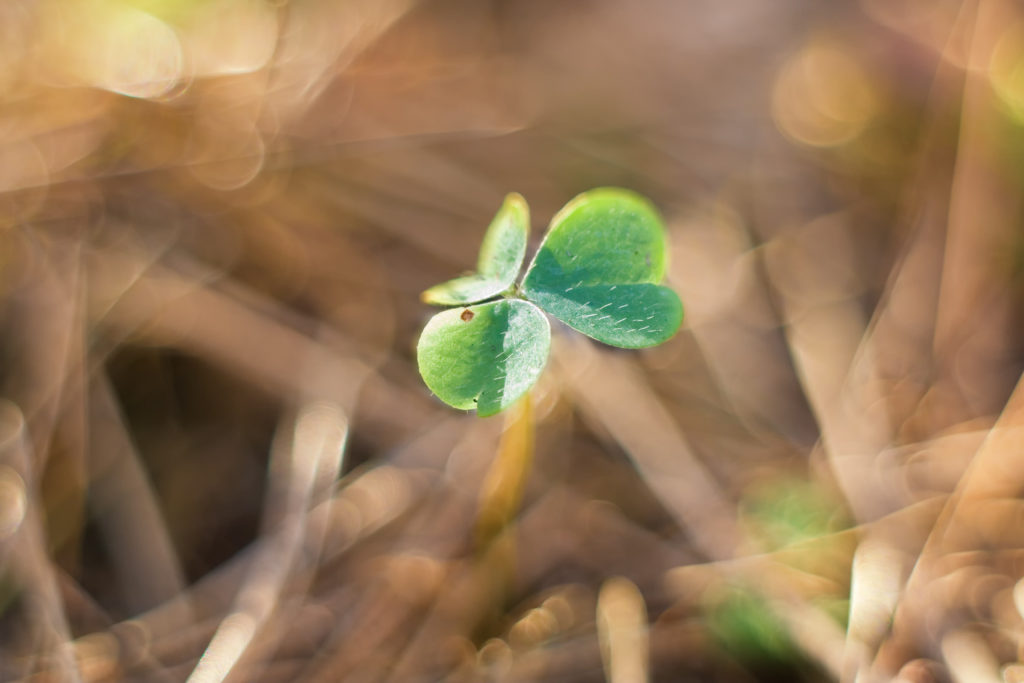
[501,256]
[599,267]
[745,625]
[484,356]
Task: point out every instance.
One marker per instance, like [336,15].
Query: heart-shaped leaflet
[501,256]
[599,267]
[484,356]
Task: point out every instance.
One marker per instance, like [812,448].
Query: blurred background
[217,458]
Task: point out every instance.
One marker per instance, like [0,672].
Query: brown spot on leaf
[467,315]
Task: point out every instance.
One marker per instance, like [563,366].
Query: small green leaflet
[485,356]
[598,270]
[599,267]
[501,256]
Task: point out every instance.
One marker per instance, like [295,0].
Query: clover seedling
[598,270]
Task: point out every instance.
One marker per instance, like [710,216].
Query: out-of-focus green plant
[746,626]
[598,270]
[786,512]
[743,625]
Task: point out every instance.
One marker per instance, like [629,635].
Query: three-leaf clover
[598,270]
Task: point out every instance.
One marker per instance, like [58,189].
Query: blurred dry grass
[217,460]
